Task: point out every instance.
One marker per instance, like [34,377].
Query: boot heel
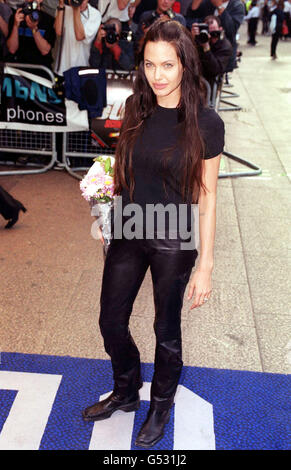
[131,406]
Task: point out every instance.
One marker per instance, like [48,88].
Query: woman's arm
[201,280]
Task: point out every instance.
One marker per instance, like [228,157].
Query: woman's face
[164,71]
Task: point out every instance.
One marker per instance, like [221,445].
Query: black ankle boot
[15,215]
[152,429]
[105,408]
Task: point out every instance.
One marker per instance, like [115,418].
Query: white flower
[91,190]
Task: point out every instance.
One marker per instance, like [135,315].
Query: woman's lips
[159,86]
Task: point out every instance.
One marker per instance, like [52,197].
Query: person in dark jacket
[279,13]
[215,52]
[231,14]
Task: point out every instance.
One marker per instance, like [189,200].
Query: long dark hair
[143,102]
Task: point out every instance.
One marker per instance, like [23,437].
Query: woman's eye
[168,66]
[148,65]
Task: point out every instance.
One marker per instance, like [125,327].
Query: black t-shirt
[28,52]
[155,183]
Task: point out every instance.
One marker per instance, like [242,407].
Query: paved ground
[51,267]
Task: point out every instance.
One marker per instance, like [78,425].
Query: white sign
[193,424]
[26,422]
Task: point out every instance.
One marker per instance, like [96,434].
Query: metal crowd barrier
[225,95]
[78,146]
[215,100]
[27,143]
[218,95]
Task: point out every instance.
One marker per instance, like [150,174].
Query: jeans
[125,267]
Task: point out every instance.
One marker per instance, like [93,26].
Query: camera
[126,36]
[74,3]
[111,35]
[170,14]
[203,35]
[30,9]
[215,34]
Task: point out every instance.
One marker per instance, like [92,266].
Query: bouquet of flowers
[97,188]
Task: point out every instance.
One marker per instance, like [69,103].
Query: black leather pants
[125,267]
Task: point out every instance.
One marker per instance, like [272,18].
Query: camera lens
[34,16]
[203,37]
[215,34]
[111,37]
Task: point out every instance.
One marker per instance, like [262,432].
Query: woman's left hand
[200,286]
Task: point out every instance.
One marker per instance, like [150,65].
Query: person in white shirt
[76,27]
[252,18]
[114,9]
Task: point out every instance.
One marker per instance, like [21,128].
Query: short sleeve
[212,130]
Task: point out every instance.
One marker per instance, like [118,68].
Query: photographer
[76,24]
[214,50]
[110,50]
[231,14]
[31,35]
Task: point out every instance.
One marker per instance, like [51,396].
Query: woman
[166,130]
